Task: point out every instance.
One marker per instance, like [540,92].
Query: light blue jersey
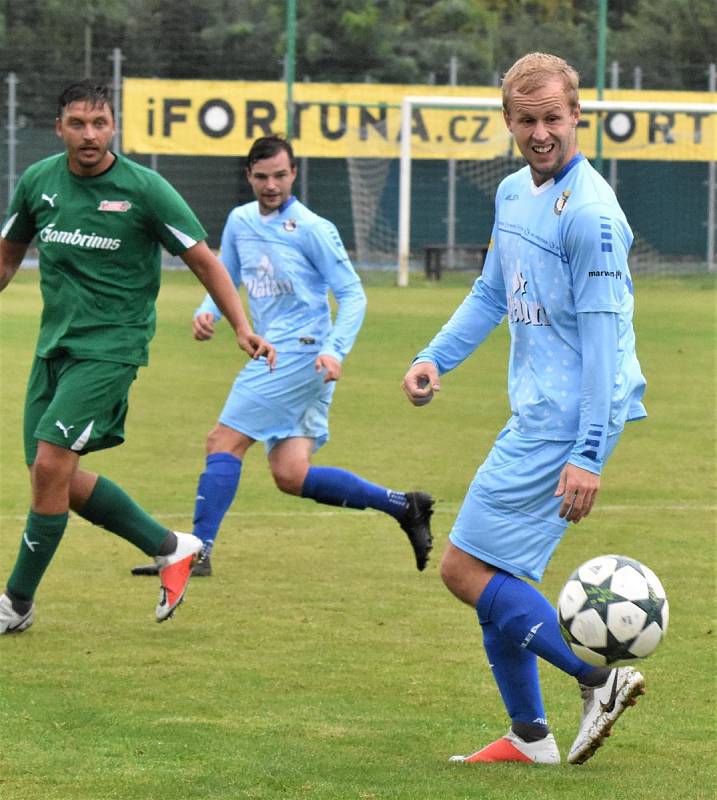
[288,261]
[557,268]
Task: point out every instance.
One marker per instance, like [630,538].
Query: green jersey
[99,240]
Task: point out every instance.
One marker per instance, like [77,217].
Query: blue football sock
[526,618]
[216,490]
[337,487]
[515,670]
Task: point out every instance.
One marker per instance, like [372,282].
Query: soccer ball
[613,610]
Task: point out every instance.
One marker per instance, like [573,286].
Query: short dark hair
[268,147]
[96,94]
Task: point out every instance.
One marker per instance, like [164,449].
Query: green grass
[318,663]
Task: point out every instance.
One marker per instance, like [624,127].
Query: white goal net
[407,210]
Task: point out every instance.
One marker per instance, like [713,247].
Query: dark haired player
[100,221]
[288,258]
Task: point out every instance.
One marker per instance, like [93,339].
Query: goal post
[404,183]
[621,114]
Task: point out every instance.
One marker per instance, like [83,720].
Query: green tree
[396,41]
[464,29]
[246,39]
[47,47]
[353,40]
[563,27]
[672,41]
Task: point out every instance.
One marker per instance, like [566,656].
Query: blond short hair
[533,71]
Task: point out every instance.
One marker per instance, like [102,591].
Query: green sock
[112,508]
[39,541]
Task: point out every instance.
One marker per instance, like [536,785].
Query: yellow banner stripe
[340,120]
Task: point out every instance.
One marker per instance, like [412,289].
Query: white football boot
[512,748]
[10,620]
[601,709]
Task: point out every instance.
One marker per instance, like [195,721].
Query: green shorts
[80,405]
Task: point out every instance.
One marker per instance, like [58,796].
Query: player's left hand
[420,383]
[256,346]
[578,488]
[329,366]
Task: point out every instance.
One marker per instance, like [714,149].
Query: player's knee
[464,576]
[449,571]
[51,474]
[213,440]
[225,440]
[42,472]
[289,480]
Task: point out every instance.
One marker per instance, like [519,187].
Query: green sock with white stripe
[40,539]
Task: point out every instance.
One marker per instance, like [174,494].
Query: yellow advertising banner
[341,120]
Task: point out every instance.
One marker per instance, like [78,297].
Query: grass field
[318,663]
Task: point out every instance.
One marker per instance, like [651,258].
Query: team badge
[561,202]
[115,205]
[290,225]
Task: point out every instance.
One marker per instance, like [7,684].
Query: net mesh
[670,206]
[375,235]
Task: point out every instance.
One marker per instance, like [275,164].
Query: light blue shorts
[509,517]
[291,401]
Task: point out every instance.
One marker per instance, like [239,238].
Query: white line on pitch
[444,509]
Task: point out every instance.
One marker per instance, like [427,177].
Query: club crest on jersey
[290,225]
[115,205]
[561,202]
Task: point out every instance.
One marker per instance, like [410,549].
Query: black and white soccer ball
[613,610]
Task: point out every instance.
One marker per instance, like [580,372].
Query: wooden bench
[468,256]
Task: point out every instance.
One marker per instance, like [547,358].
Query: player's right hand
[256,347]
[420,382]
[203,326]
[578,487]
